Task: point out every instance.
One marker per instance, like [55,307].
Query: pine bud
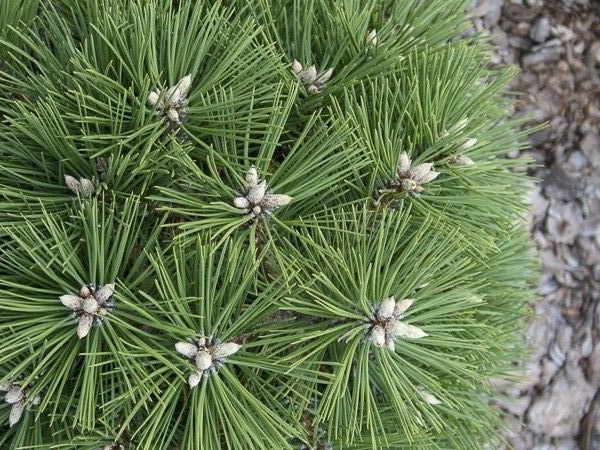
[85,325]
[257,192]
[463,160]
[90,305]
[372,37]
[296,67]
[71,301]
[225,350]
[173,115]
[409,185]
[203,360]
[184,84]
[87,187]
[461,124]
[309,75]
[186,349]
[15,394]
[194,379]
[241,202]
[390,344]
[468,143]
[386,308]
[105,292]
[324,78]
[402,306]
[73,184]
[420,171]
[15,413]
[428,397]
[84,292]
[153,98]
[403,164]
[402,329]
[252,177]
[378,336]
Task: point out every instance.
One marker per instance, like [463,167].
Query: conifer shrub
[254,224]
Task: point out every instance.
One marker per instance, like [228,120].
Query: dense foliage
[257,224]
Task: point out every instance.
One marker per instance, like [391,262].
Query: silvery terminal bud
[256,198]
[468,143]
[207,355]
[372,37]
[384,325]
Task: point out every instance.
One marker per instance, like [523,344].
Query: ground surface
[556,43]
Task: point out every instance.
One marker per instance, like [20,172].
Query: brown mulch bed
[556,43]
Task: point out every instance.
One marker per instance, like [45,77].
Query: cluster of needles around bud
[90,305]
[19,399]
[207,354]
[384,325]
[256,199]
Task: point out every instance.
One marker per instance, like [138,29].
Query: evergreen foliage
[260,220]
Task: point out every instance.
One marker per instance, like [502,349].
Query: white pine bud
[241,202]
[463,160]
[372,37]
[430,176]
[224,350]
[73,183]
[186,349]
[468,143]
[390,344]
[15,413]
[194,379]
[420,171]
[184,84]
[403,163]
[105,292]
[283,199]
[274,200]
[71,301]
[257,192]
[296,67]
[378,336]
[90,305]
[309,75]
[409,185]
[402,306]
[312,89]
[404,330]
[428,397]
[173,115]
[252,177]
[461,124]
[386,308]
[324,77]
[85,325]
[203,360]
[87,187]
[14,395]
[84,292]
[153,98]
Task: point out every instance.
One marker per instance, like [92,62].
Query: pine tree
[255,224]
